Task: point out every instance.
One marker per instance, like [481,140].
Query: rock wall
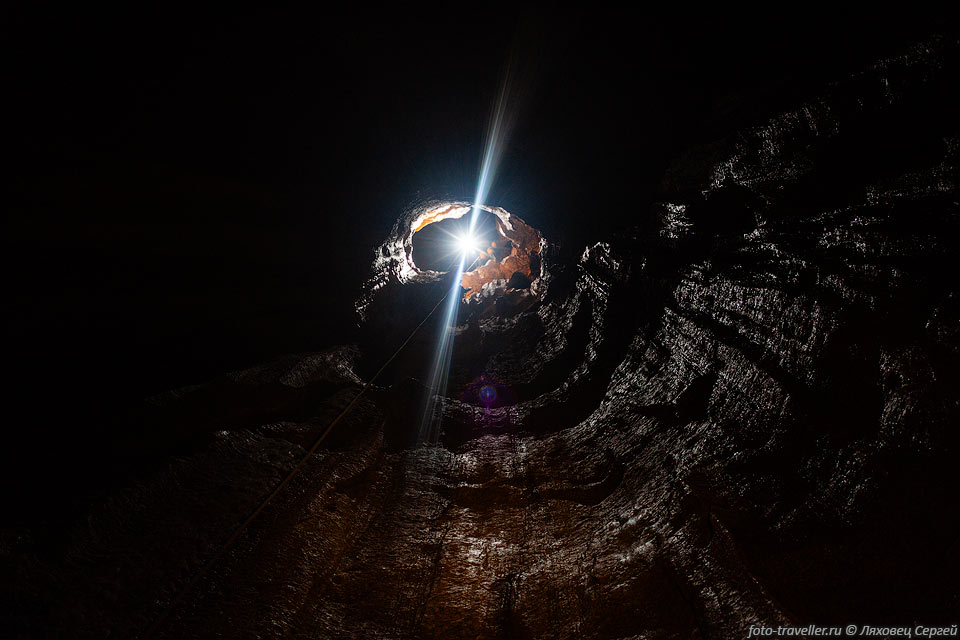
[741,409]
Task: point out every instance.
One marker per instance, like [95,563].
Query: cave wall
[740,409]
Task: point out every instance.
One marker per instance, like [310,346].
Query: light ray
[498,130]
[440,369]
[516,78]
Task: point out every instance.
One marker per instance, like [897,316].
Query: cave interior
[678,406]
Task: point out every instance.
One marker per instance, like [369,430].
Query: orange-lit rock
[524,256]
[442,213]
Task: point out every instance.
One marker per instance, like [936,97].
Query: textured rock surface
[741,410]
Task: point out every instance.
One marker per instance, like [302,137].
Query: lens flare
[488,395]
[467,244]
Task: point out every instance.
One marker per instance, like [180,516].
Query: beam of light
[498,130]
[516,79]
[519,79]
[440,369]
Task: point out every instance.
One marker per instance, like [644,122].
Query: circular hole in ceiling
[436,246]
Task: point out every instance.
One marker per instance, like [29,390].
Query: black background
[190,193]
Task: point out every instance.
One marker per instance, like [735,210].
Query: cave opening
[504,255]
[435,245]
